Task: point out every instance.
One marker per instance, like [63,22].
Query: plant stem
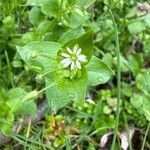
[146,133]
[48,86]
[90,3]
[118,78]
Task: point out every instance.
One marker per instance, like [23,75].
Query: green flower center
[73,57]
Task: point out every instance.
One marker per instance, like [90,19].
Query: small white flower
[73,58]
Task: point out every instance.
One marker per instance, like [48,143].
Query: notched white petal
[69,50]
[75,48]
[78,64]
[78,51]
[82,58]
[66,62]
[65,55]
[72,65]
[73,58]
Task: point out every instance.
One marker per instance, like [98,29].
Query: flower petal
[78,51]
[65,55]
[82,58]
[75,48]
[69,50]
[66,62]
[78,64]
[72,65]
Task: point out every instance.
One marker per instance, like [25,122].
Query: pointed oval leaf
[44,54]
[65,90]
[85,42]
[98,72]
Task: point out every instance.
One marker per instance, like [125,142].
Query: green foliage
[67,12]
[136,27]
[42,56]
[98,72]
[12,103]
[34,37]
[135,63]
[35,16]
[6,118]
[141,100]
[142,81]
[65,90]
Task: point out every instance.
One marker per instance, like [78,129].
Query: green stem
[48,72]
[48,86]
[118,79]
[34,94]
[9,69]
[88,5]
[144,140]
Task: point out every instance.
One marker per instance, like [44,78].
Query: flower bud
[66,73]
[73,74]
[39,78]
[31,95]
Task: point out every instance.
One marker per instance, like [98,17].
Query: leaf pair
[65,90]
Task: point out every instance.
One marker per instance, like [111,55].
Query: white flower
[73,58]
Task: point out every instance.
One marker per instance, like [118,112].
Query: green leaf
[146,19]
[27,37]
[35,15]
[44,27]
[123,63]
[51,7]
[136,27]
[71,34]
[141,102]
[68,12]
[16,96]
[135,63]
[27,108]
[127,89]
[65,90]
[6,118]
[146,107]
[40,55]
[108,59]
[12,105]
[87,49]
[98,72]
[143,81]
[137,100]
[77,19]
